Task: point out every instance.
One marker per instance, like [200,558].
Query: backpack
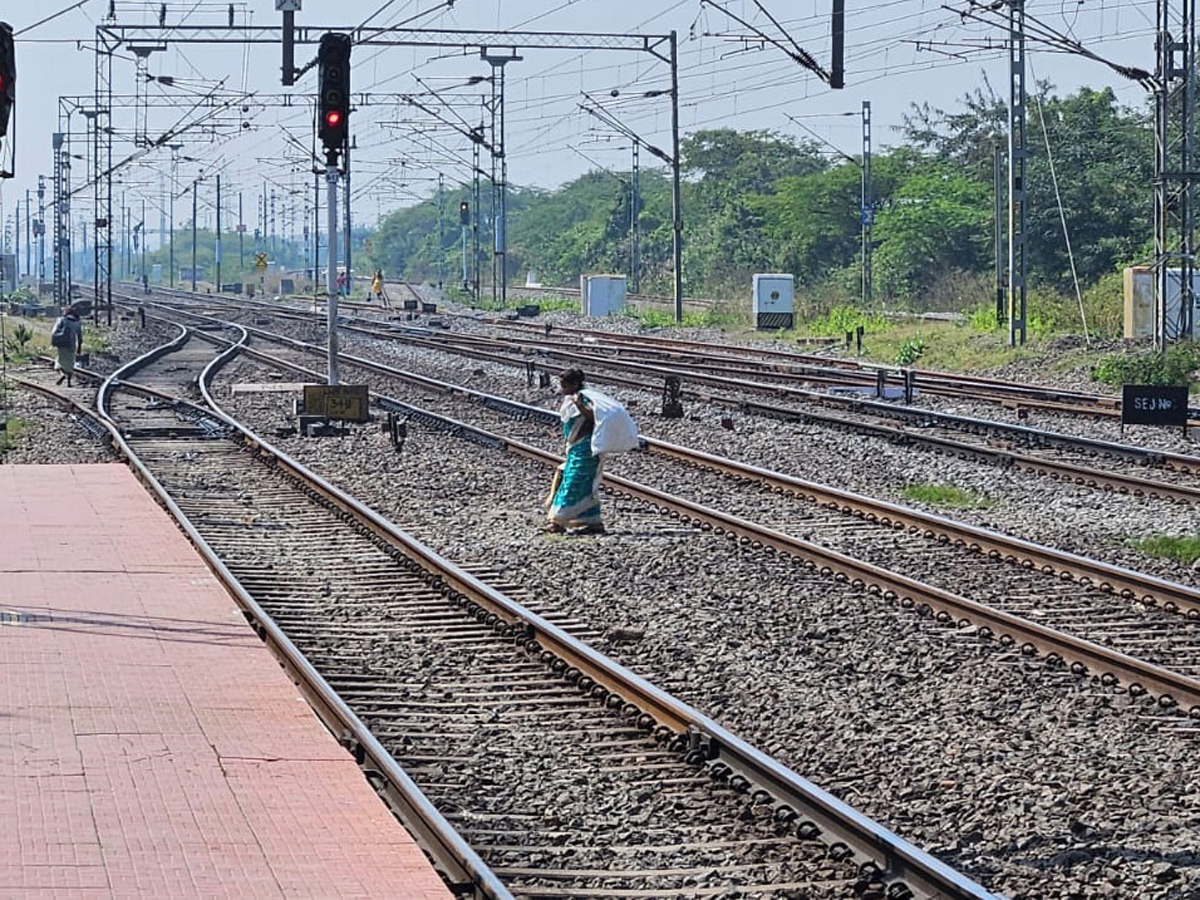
[61,337]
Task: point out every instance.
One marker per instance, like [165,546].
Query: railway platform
[150,745]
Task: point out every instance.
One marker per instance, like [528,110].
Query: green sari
[576,494]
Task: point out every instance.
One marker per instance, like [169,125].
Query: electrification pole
[241,239]
[217,242]
[316,230]
[676,201]
[998,228]
[41,255]
[868,205]
[194,207]
[1174,214]
[347,223]
[441,235]
[500,218]
[635,202]
[28,235]
[1017,154]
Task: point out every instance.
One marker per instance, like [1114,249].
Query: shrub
[910,351]
[1177,366]
[841,319]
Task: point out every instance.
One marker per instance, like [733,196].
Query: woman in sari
[67,340]
[575,496]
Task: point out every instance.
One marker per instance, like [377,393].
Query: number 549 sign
[1153,405]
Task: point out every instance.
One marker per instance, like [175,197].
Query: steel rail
[836,821]
[696,374]
[1070,472]
[1129,583]
[1103,404]
[1170,687]
[82,410]
[1067,471]
[1150,456]
[459,863]
[1173,596]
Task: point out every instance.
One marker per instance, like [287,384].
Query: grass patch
[94,342]
[12,435]
[663,318]
[946,495]
[1184,550]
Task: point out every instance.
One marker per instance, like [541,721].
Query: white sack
[615,431]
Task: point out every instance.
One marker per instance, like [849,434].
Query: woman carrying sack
[593,424]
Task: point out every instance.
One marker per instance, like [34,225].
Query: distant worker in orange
[377,288]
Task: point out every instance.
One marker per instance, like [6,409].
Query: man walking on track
[67,340]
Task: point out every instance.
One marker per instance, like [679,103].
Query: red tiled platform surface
[150,746]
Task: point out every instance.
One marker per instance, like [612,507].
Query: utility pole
[1175,95]
[241,239]
[1017,153]
[174,186]
[194,208]
[316,229]
[476,195]
[635,202]
[868,205]
[676,202]
[41,266]
[998,229]
[144,238]
[500,230]
[441,235]
[217,243]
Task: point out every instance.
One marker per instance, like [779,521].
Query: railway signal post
[333,127]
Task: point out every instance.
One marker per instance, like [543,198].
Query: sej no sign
[1153,405]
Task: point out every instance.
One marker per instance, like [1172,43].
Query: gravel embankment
[1077,519]
[1039,784]
[41,431]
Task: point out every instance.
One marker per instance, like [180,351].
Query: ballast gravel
[43,432]
[1034,781]
[1089,521]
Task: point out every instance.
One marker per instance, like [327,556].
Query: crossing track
[1091,462]
[1067,608]
[507,685]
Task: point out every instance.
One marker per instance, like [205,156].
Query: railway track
[807,367]
[1060,604]
[528,740]
[787,367]
[1107,604]
[1075,459]
[1023,587]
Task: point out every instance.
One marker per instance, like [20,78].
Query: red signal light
[333,118]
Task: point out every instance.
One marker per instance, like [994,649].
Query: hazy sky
[724,81]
